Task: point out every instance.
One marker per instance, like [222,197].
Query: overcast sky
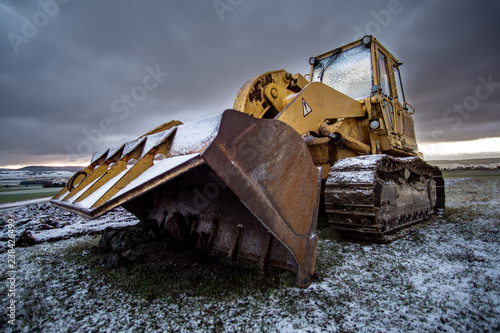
[66,67]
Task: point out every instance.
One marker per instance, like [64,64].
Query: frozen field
[24,175]
[29,191]
[443,277]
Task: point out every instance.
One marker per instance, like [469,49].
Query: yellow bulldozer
[253,180]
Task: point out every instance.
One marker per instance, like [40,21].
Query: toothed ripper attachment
[230,182]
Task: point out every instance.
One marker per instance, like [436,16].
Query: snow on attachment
[119,174]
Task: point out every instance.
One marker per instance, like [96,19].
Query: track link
[381,198]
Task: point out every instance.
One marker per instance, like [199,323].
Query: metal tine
[66,193]
[145,160]
[92,172]
[113,155]
[107,171]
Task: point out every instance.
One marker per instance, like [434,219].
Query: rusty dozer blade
[237,184]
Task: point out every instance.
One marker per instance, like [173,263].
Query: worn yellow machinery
[252,181]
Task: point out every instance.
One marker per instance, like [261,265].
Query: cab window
[399,85]
[349,72]
[384,75]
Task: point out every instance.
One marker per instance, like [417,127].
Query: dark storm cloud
[66,77]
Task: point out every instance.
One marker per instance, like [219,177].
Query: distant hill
[47,168]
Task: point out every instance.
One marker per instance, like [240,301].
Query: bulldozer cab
[366,71]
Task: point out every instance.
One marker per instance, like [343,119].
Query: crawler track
[380,198]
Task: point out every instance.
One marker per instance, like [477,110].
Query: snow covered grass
[44,222]
[444,277]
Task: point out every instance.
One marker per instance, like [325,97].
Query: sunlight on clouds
[452,149]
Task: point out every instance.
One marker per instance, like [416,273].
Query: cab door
[395,111]
[384,78]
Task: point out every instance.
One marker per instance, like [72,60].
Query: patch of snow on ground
[443,277]
[45,222]
[12,205]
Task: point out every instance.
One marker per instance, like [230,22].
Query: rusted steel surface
[378,197]
[268,166]
[248,188]
[256,93]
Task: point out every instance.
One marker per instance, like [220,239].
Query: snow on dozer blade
[231,182]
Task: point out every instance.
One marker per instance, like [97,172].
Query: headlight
[374,124]
[366,40]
